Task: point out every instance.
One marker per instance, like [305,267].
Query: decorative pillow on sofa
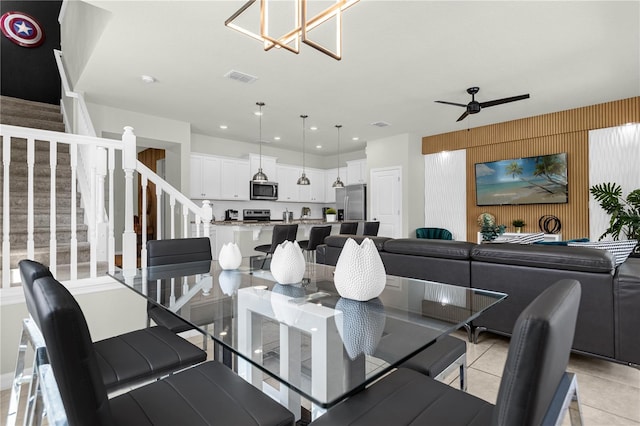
[620,249]
[526,239]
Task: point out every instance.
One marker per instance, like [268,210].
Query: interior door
[386,200]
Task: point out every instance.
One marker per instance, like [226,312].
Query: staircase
[38,115]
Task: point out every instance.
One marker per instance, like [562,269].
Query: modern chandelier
[338,183]
[301,27]
[303,180]
[260,176]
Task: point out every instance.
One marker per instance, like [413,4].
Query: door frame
[399,220]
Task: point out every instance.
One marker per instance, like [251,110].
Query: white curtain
[614,156]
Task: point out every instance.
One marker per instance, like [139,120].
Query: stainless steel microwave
[263,190]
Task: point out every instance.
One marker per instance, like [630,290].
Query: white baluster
[93,212]
[172,203]
[74,214]
[129,162]
[30,163]
[185,221]
[198,221]
[101,227]
[159,224]
[143,252]
[111,251]
[207,215]
[6,243]
[53,245]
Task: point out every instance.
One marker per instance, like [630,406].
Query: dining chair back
[371,228]
[178,250]
[533,389]
[30,270]
[349,228]
[230,400]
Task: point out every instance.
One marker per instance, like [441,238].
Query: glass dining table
[304,340]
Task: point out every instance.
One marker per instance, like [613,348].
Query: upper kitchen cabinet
[268,166]
[287,177]
[313,193]
[234,178]
[356,171]
[205,177]
[330,177]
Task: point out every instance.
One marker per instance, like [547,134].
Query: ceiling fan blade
[463,116]
[451,103]
[503,100]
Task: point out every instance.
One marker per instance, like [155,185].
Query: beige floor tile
[493,359]
[594,417]
[609,396]
[605,369]
[483,385]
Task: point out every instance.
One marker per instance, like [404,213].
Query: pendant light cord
[304,118]
[260,104]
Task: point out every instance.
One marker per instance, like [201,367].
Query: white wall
[445,203]
[614,156]
[404,151]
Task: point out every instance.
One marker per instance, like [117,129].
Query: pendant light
[303,180]
[338,183]
[260,176]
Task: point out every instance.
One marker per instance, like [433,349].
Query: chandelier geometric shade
[300,28]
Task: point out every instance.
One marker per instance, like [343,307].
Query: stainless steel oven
[263,190]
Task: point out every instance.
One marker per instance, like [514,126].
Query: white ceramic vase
[230,256]
[287,263]
[360,273]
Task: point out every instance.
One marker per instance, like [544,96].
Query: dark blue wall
[31,73]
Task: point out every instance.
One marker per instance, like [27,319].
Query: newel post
[129,163]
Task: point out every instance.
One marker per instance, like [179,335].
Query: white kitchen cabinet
[356,171]
[313,193]
[268,166]
[287,183]
[234,178]
[330,177]
[205,177]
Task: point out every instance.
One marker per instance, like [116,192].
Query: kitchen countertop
[272,222]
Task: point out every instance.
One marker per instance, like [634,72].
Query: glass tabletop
[311,340]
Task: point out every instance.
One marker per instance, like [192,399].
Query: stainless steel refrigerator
[352,199]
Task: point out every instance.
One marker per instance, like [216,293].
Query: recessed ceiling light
[276,138]
[223,126]
[355,138]
[318,146]
[313,128]
[148,79]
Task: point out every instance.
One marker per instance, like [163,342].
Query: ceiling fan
[474,106]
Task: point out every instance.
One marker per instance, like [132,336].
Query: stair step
[18,236]
[41,172]
[41,218]
[13,110]
[11,102]
[41,254]
[20,144]
[34,123]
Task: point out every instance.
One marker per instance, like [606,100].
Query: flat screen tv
[531,180]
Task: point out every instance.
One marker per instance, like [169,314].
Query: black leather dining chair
[172,252]
[532,389]
[129,358]
[371,228]
[281,233]
[349,228]
[317,234]
[207,394]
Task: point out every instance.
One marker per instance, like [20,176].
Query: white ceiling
[398,58]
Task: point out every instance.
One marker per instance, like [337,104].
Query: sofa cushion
[340,239]
[552,257]
[447,249]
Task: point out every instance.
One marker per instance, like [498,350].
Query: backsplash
[276,207]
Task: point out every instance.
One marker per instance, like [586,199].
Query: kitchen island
[249,234]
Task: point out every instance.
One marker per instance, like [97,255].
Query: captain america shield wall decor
[22,29]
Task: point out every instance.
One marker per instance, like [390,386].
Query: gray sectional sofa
[609,309]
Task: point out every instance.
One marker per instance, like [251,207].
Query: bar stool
[371,228]
[349,228]
[316,237]
[281,233]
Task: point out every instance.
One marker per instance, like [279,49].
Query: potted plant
[624,212]
[518,224]
[488,228]
[331,215]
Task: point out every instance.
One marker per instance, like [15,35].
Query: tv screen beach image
[530,180]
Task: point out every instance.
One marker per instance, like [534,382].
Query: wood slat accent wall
[565,131]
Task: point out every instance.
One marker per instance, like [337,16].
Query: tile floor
[609,392]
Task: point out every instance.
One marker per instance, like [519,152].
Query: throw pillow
[620,249]
[526,239]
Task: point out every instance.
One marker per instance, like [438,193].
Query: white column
[6,243]
[129,162]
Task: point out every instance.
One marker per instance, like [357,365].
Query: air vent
[240,76]
[380,124]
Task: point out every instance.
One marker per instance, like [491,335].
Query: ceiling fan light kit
[301,26]
[474,106]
